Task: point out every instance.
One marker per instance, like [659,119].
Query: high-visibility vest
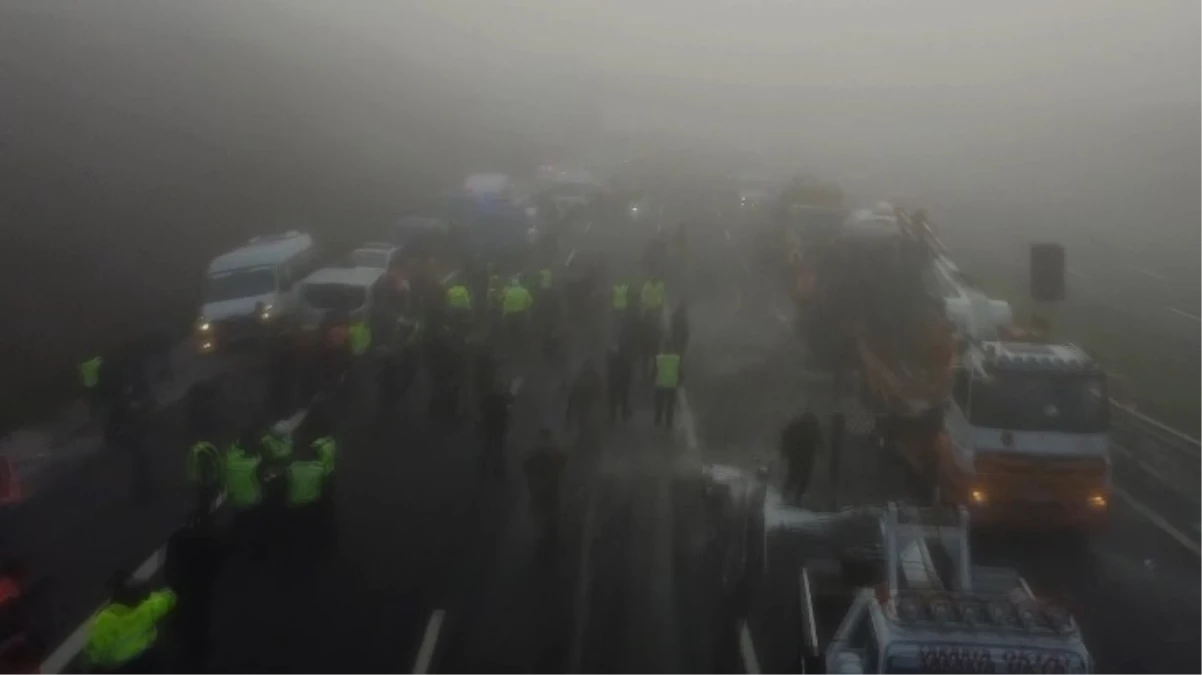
[458,297]
[517,300]
[277,447]
[359,337]
[242,480]
[667,371]
[544,279]
[203,463]
[327,450]
[621,296]
[304,482]
[119,633]
[89,372]
[653,295]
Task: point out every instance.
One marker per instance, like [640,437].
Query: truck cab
[934,612]
[1028,436]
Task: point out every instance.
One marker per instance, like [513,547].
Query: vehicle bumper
[1087,511]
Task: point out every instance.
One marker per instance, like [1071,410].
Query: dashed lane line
[425,653]
[1148,273]
[571,256]
[576,656]
[1158,521]
[747,650]
[1182,313]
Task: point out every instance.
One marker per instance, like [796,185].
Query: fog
[139,138]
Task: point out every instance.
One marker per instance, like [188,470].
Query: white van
[253,288]
[347,289]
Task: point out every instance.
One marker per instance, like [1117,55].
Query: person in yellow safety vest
[122,633]
[517,299]
[89,377]
[243,475]
[459,298]
[668,376]
[276,446]
[359,337]
[652,297]
[621,297]
[305,476]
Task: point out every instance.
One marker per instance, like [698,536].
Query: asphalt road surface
[435,565]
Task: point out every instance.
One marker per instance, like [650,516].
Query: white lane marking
[425,654]
[687,421]
[450,275]
[807,598]
[568,262]
[588,226]
[1026,588]
[1147,273]
[582,581]
[65,653]
[1148,468]
[1082,277]
[1158,521]
[1181,313]
[747,650]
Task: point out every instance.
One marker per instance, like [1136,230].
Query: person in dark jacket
[193,560]
[544,471]
[799,445]
[678,333]
[619,375]
[494,427]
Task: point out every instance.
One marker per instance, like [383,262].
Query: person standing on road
[122,635]
[515,313]
[584,397]
[191,567]
[89,377]
[129,426]
[620,373]
[544,476]
[668,377]
[244,476]
[799,445]
[678,333]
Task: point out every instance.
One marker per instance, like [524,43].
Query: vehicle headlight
[1096,501]
[203,325]
[266,312]
[978,497]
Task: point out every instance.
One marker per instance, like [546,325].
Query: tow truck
[933,611]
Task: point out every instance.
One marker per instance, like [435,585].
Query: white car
[347,289]
[251,288]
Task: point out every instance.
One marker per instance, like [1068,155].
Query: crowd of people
[273,480]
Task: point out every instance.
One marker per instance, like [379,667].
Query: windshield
[959,658]
[239,284]
[366,257]
[1041,402]
[334,296]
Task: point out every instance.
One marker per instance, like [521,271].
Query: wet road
[436,566]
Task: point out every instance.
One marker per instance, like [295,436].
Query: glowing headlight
[1097,501]
[265,312]
[634,208]
[206,346]
[978,497]
[203,325]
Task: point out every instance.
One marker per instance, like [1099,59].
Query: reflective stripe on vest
[304,482]
[667,371]
[89,372]
[653,295]
[621,296]
[242,480]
